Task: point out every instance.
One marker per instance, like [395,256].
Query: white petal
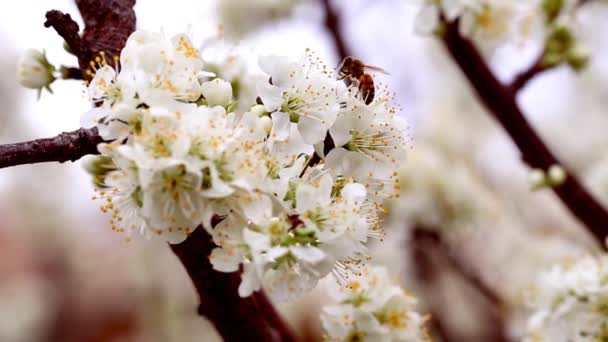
[276,67]
[276,252]
[452,8]
[250,280]
[217,92]
[353,192]
[271,96]
[307,253]
[280,126]
[312,130]
[225,260]
[257,242]
[427,20]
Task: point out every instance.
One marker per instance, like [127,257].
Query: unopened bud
[578,57]
[34,70]
[259,110]
[217,92]
[556,175]
[537,179]
[266,123]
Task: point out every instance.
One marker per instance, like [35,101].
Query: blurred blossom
[440,193]
[370,307]
[242,17]
[571,302]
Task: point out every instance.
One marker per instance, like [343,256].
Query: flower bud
[578,57]
[259,110]
[34,70]
[537,179]
[556,175]
[217,92]
[552,8]
[266,123]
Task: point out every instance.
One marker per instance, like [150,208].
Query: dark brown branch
[273,317]
[525,76]
[235,318]
[67,28]
[71,73]
[333,25]
[68,146]
[429,252]
[500,101]
[108,24]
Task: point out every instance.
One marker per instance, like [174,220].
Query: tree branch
[428,251]
[67,146]
[500,101]
[332,24]
[525,76]
[67,28]
[108,25]
[235,318]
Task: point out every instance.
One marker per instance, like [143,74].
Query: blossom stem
[67,146]
[500,100]
[525,76]
[71,73]
[429,252]
[236,319]
[332,24]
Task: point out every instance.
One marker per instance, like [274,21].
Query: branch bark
[67,146]
[235,318]
[500,101]
[108,25]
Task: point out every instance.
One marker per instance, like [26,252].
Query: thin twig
[71,73]
[67,28]
[500,101]
[525,76]
[67,146]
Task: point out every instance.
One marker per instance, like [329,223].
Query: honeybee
[354,71]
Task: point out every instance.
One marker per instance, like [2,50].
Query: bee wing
[376,69]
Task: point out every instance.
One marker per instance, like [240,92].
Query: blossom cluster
[371,308]
[571,303]
[430,197]
[493,22]
[290,188]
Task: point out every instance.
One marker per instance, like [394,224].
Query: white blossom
[217,92]
[571,302]
[182,149]
[369,307]
[303,93]
[34,70]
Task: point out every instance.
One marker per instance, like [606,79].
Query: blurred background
[65,276]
